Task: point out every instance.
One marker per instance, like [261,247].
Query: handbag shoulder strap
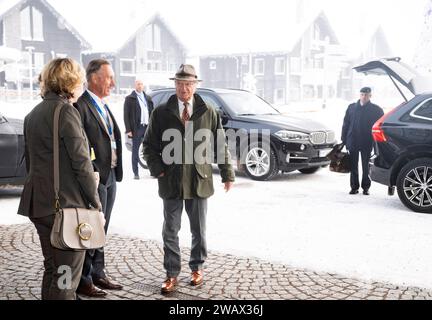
[56,154]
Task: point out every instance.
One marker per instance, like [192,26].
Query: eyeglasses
[187,84]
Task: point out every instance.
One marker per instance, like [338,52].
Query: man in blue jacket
[357,137]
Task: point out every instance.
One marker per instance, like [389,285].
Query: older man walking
[186,179]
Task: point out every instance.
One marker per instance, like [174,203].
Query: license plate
[323,153]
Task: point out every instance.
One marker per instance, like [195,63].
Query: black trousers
[365,157]
[94,263]
[137,139]
[62,268]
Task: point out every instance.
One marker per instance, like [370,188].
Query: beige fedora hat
[186,72]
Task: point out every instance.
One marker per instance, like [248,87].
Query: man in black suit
[105,144]
[137,110]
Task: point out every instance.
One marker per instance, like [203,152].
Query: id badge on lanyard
[113,145]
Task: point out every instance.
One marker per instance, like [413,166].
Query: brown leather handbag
[339,160]
[74,228]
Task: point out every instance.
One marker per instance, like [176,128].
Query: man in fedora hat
[186,181]
[357,137]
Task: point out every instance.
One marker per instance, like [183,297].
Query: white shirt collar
[98,100]
[190,106]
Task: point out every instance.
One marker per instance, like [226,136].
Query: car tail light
[377,130]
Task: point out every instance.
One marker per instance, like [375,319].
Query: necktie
[185,115]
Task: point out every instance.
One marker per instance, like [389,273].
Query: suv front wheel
[414,185]
[260,163]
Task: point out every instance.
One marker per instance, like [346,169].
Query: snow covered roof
[7,6]
[370,43]
[218,30]
[282,35]
[155,17]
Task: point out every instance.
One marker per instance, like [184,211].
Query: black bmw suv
[295,144]
[12,162]
[404,137]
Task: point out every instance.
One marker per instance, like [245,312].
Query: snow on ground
[305,221]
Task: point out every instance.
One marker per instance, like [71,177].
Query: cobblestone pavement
[137,264]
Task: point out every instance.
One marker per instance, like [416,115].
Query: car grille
[322,137]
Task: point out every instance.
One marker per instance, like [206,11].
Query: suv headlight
[291,136]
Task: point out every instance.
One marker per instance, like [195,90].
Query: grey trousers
[197,212]
[62,267]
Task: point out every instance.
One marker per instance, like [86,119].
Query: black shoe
[366,192]
[91,291]
[137,177]
[107,284]
[354,191]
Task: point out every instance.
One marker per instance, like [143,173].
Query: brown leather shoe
[197,278]
[169,285]
[107,284]
[91,291]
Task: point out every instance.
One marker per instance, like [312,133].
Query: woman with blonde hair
[62,81]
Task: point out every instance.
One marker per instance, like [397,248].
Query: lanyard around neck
[104,116]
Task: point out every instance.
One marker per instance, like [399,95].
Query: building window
[37,25]
[316,32]
[259,67]
[279,96]
[245,60]
[2,36]
[212,65]
[25,65]
[39,61]
[26,24]
[157,38]
[127,67]
[318,63]
[152,38]
[31,24]
[309,92]
[280,66]
[295,65]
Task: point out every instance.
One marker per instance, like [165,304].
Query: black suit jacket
[132,111]
[99,138]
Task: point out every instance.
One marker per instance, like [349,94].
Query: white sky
[203,25]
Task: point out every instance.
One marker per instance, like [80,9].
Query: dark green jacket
[197,176]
